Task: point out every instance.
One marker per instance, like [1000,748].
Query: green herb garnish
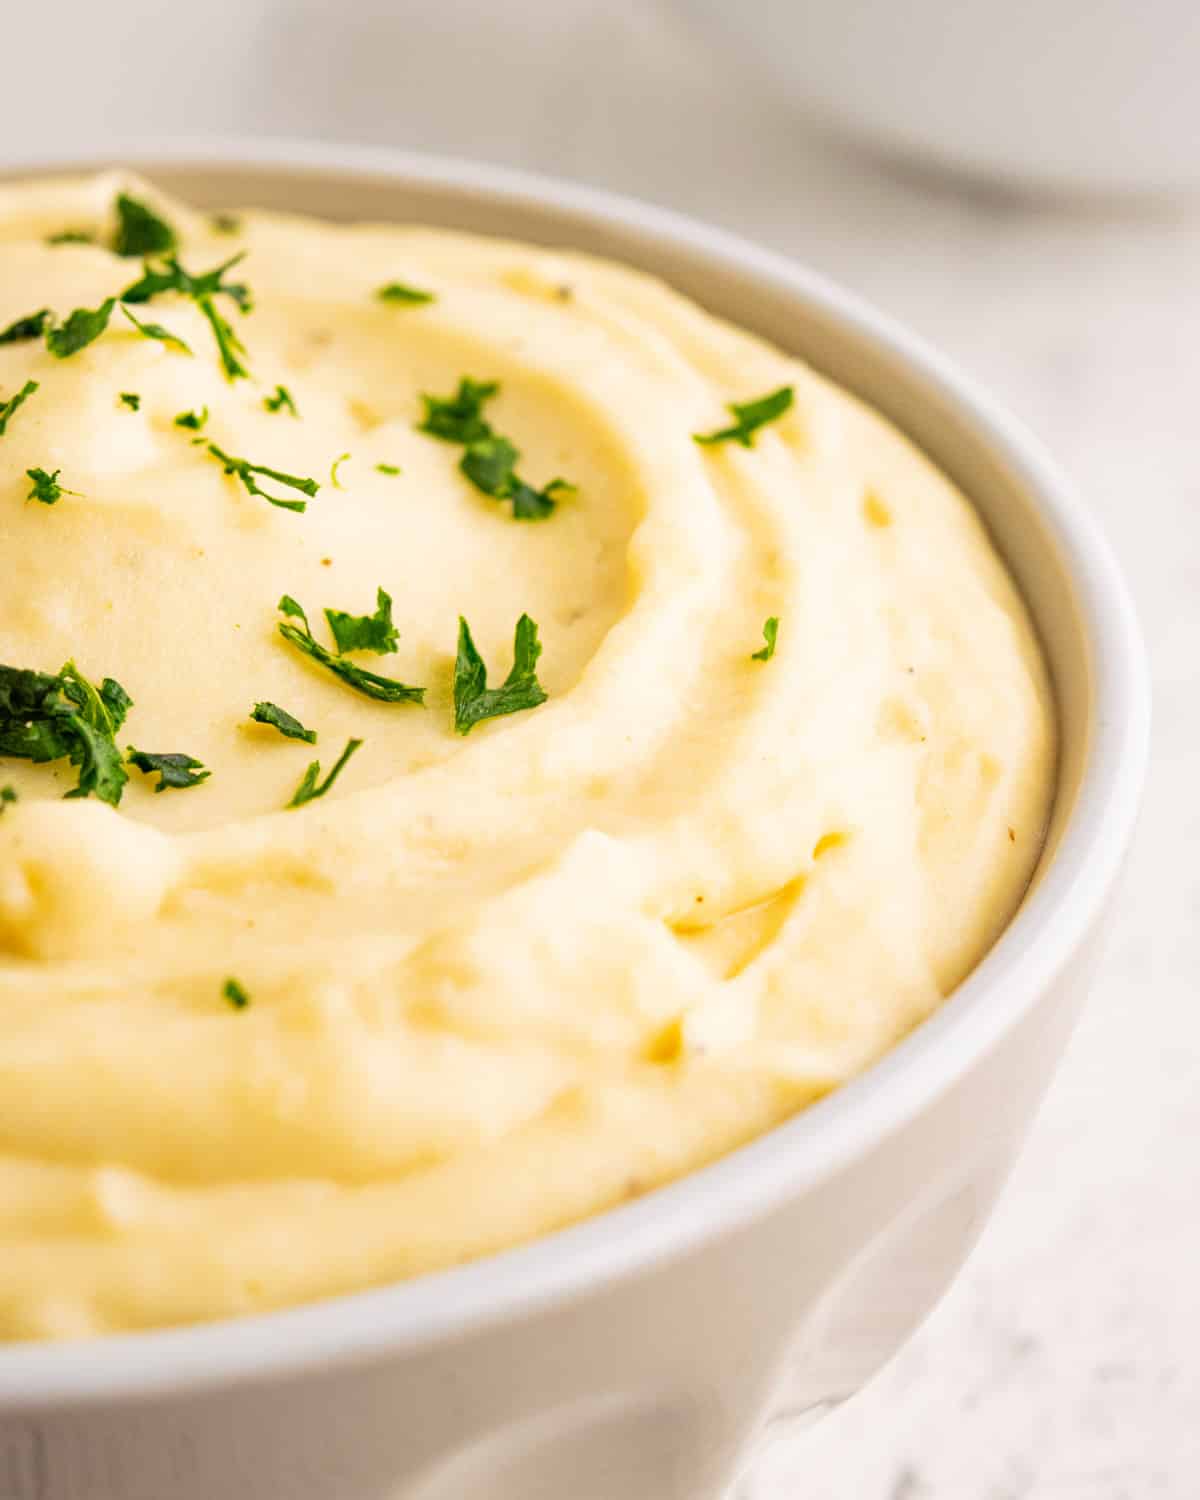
[282,398]
[749,417]
[490,465]
[459,418]
[194,420]
[245,471]
[225,223]
[140,231]
[173,769]
[232,991]
[31,327]
[202,290]
[83,327]
[45,718]
[46,487]
[474,701]
[157,331]
[770,635]
[131,399]
[333,473]
[490,460]
[8,795]
[397,292]
[71,237]
[8,408]
[287,725]
[370,684]
[390,469]
[365,632]
[310,788]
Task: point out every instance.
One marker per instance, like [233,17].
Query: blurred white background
[1064,1366]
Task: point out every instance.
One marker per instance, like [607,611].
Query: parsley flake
[232,991]
[459,418]
[225,223]
[474,701]
[8,795]
[370,684]
[31,327]
[64,717]
[173,769]
[46,487]
[311,788]
[281,399]
[770,632]
[390,469]
[8,408]
[490,465]
[202,289]
[333,473]
[245,471]
[71,237]
[408,296]
[140,231]
[365,632]
[131,399]
[749,416]
[157,331]
[83,327]
[279,718]
[490,460]
[194,420]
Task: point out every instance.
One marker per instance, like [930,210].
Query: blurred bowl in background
[1058,96]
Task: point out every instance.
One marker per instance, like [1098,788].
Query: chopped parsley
[203,290]
[131,399]
[311,787]
[490,460]
[770,635]
[157,331]
[245,471]
[8,408]
[173,770]
[194,420]
[140,231]
[365,632]
[281,399]
[370,684]
[232,991]
[31,327]
[64,717]
[71,237]
[490,465]
[408,296]
[225,223]
[46,487]
[390,469]
[279,718]
[333,473]
[459,418]
[83,327]
[474,701]
[8,795]
[749,416]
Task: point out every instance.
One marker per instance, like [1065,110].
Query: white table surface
[1063,1366]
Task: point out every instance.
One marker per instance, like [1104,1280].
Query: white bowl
[1081,96]
[635,1356]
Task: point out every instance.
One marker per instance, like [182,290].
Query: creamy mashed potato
[487,983]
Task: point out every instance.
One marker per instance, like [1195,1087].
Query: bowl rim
[442,1306]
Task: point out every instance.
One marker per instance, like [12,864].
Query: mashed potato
[670,887]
